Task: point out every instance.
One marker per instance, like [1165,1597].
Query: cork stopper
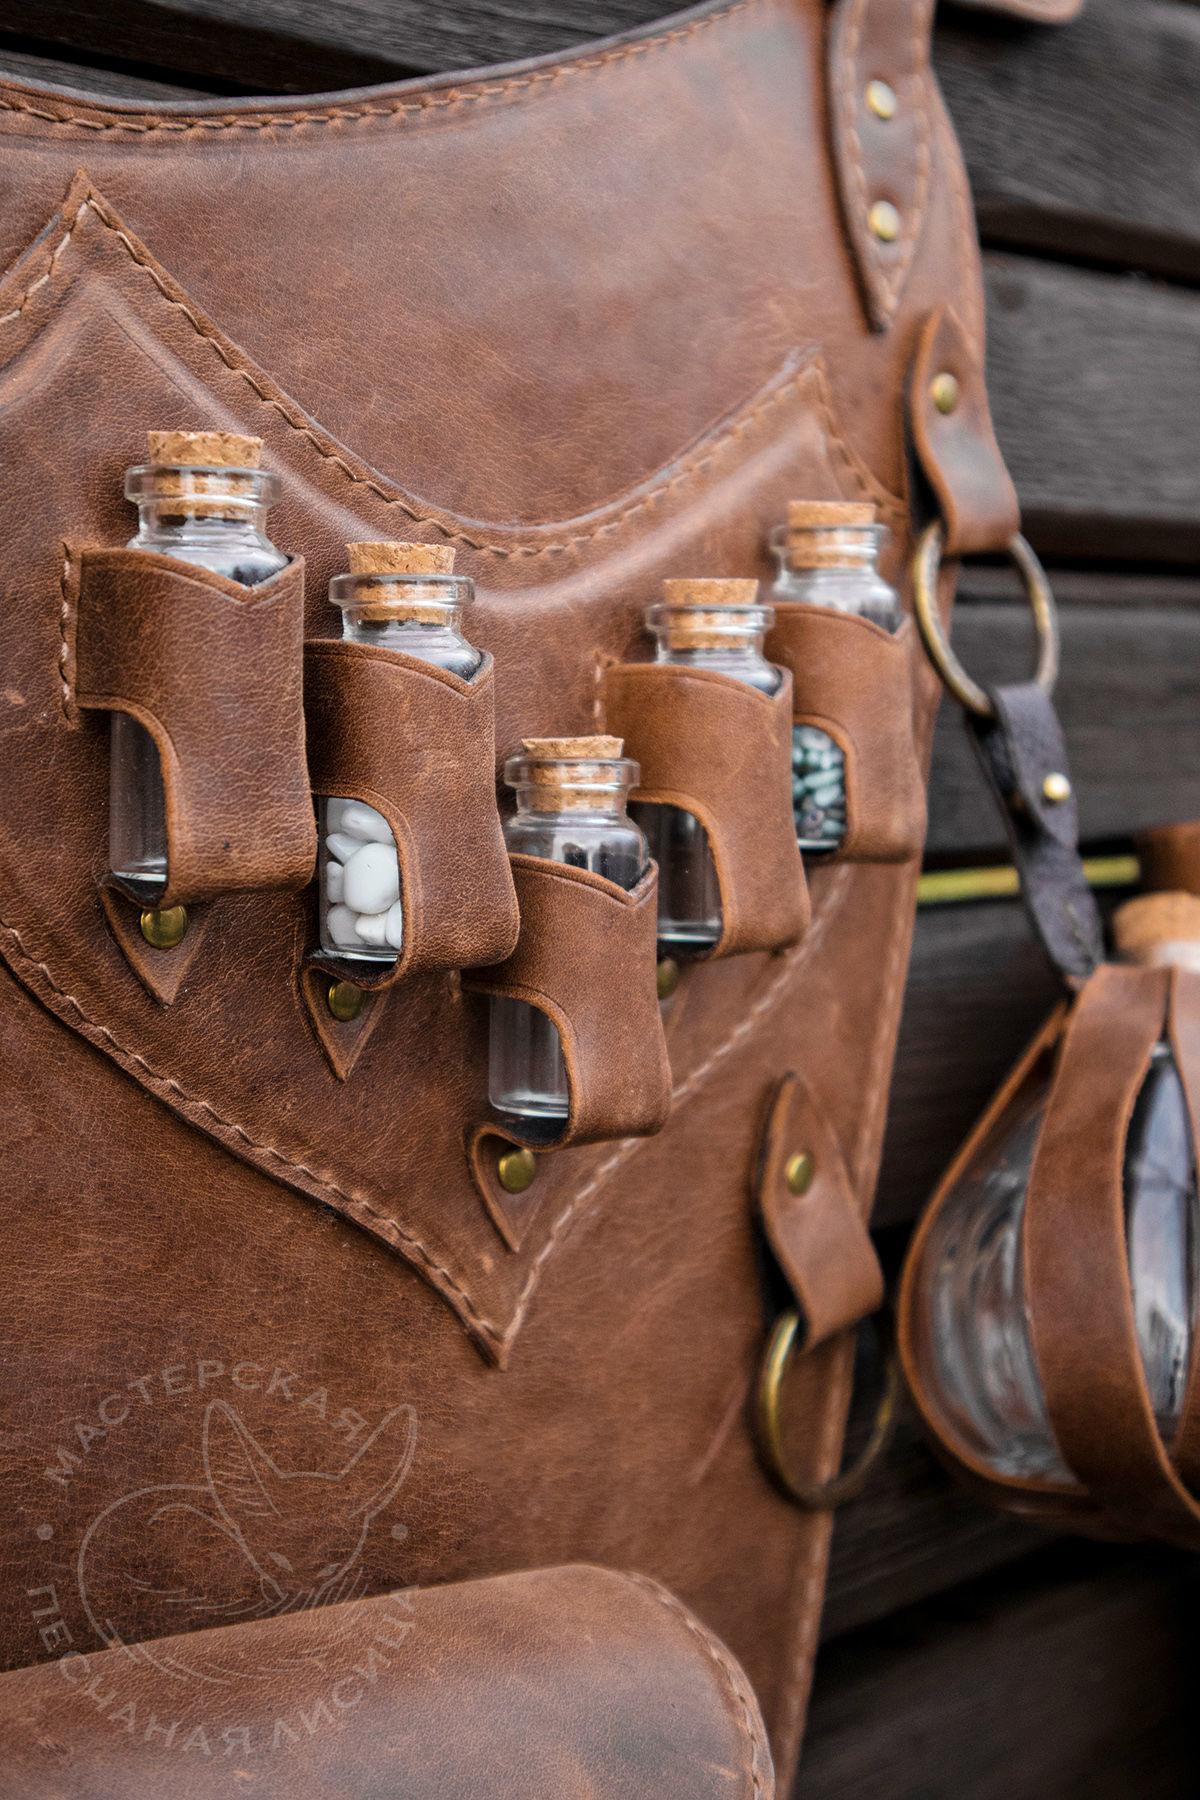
[807,515]
[580,786]
[1159,929]
[409,600]
[696,616]
[214,449]
[401,559]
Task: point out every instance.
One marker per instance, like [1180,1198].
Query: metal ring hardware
[927,562]
[821,1496]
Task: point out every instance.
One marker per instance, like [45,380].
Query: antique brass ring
[821,1496]
[927,562]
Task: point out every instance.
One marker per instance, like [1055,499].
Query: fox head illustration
[302,1531]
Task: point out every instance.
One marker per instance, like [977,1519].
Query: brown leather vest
[593,320]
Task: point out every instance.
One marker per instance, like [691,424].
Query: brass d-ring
[927,562]
[820,1496]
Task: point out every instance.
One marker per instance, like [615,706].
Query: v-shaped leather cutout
[342,1040]
[161,972]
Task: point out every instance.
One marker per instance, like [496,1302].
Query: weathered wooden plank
[1069,1677]
[913,1533]
[1095,386]
[1041,113]
[91,80]
[1129,699]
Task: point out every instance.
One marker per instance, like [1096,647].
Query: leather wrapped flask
[592,321]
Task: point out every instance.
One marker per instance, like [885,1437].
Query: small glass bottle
[571,795]
[202,498]
[397,597]
[827,555]
[969,1289]
[702,624]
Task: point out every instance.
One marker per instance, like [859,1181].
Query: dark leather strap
[1018,749]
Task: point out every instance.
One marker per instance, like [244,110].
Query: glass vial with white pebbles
[397,597]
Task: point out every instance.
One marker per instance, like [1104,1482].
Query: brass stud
[667,977]
[884,221]
[881,99]
[345,1000]
[943,391]
[516,1170]
[1056,788]
[798,1172]
[164,927]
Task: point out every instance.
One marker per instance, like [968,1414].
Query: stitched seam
[455,97]
[720,1657]
[688,469]
[65,661]
[388,1228]
[792,959]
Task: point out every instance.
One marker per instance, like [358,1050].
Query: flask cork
[700,617]
[208,468]
[408,598]
[578,785]
[815,531]
[1157,930]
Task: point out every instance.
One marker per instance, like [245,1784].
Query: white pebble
[362,821]
[339,923]
[372,927]
[394,928]
[372,878]
[335,881]
[341,846]
[333,814]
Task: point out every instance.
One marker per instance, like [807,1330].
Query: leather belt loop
[955,440]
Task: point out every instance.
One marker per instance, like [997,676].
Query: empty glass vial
[970,1286]
[826,555]
[202,498]
[701,624]
[398,597]
[571,795]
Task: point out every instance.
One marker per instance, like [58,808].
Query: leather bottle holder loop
[586,957]
[1076,1270]
[853,680]
[418,744]
[213,671]
[956,448]
[818,1236]
[722,751]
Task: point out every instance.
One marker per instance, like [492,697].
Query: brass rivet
[884,221]
[164,927]
[798,1172]
[881,99]
[345,1000]
[1056,788]
[516,1170]
[668,977]
[943,391]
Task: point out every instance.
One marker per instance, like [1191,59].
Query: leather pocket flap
[213,671]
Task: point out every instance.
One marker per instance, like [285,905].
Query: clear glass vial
[702,624]
[202,498]
[827,556]
[397,597]
[571,797]
[970,1284]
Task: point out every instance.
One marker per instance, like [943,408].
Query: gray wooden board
[1069,1677]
